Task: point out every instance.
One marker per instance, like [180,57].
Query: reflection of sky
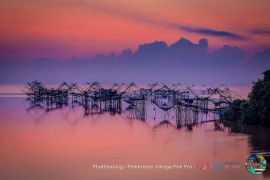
[57,149]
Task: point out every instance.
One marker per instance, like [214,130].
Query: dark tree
[256,110]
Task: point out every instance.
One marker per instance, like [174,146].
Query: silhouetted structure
[188,104]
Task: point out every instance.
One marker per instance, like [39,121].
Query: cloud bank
[181,62]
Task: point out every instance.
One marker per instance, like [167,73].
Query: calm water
[65,144]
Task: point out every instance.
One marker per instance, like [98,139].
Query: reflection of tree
[258,139]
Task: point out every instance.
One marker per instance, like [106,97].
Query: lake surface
[66,144]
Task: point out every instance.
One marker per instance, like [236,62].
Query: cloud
[229,54]
[145,18]
[127,13]
[261,60]
[180,62]
[261,32]
[190,29]
[212,32]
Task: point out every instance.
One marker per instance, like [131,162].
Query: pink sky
[82,28]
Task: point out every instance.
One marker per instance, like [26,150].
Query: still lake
[66,144]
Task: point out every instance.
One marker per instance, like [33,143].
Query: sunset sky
[83,28]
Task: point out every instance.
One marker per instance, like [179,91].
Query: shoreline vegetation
[255,110]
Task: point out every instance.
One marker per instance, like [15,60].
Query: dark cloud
[159,47]
[261,32]
[183,61]
[212,32]
[146,18]
[229,54]
[261,60]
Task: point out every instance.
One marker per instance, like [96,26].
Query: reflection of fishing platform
[182,105]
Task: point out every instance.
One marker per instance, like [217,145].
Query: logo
[256,164]
[218,165]
[225,165]
[203,166]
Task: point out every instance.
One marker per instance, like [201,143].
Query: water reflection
[176,105]
[258,139]
[151,125]
[53,150]
[138,110]
[155,108]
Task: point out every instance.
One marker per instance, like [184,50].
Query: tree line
[255,109]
